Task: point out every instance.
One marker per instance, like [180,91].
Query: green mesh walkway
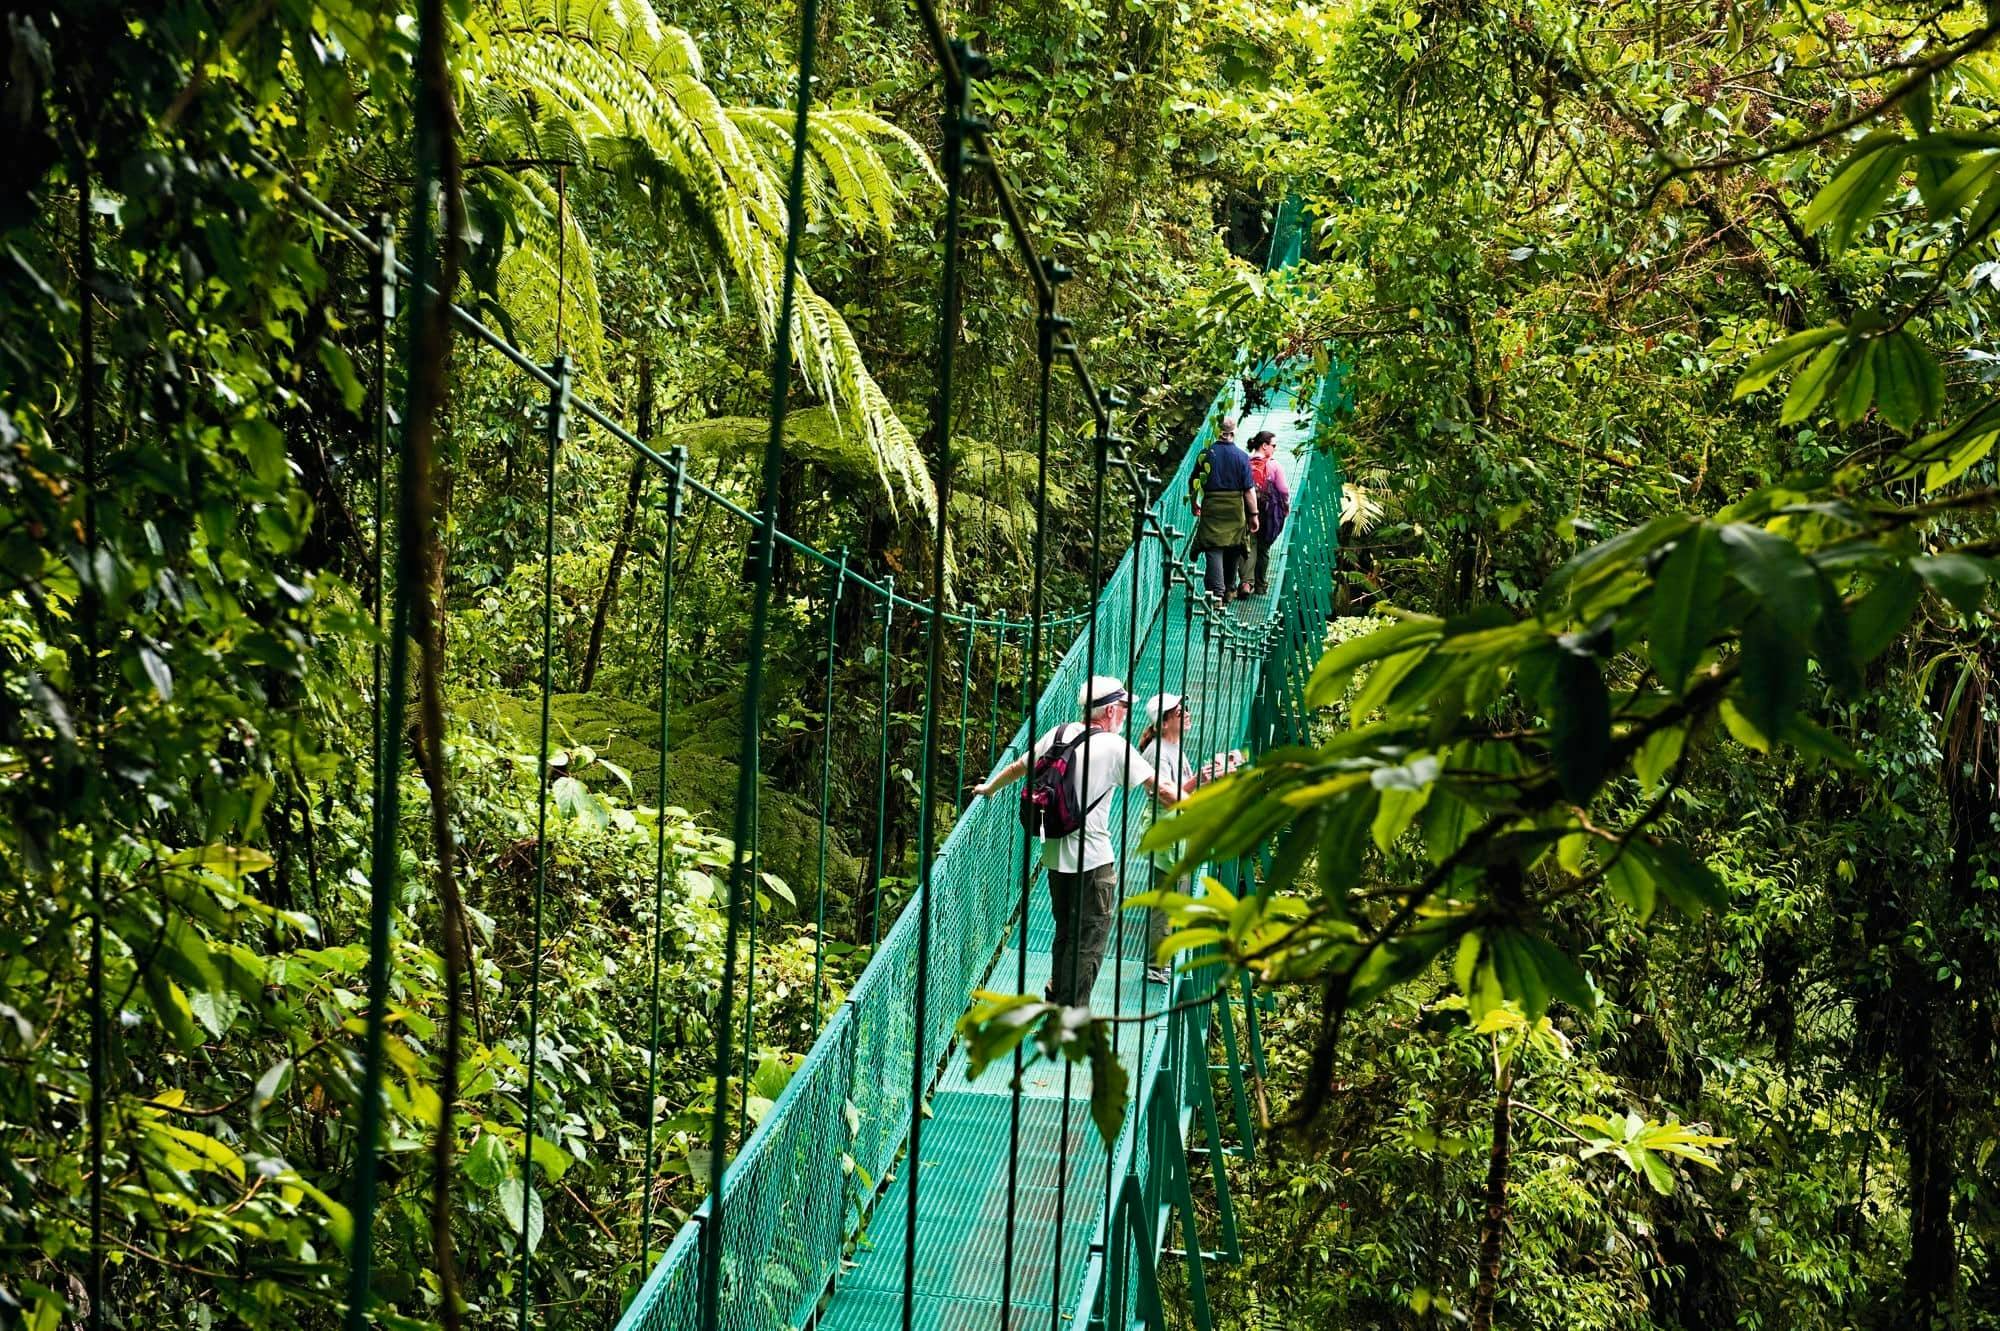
[813,1217]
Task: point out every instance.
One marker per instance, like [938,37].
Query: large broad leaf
[1579,725]
[1688,885]
[1764,367]
[523,1210]
[1108,1084]
[1775,572]
[1812,384]
[1773,675]
[1686,605]
[1567,585]
[1959,579]
[1881,612]
[1909,386]
[1533,970]
[1333,670]
[1857,188]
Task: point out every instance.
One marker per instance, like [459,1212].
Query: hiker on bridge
[1225,502]
[1167,717]
[1274,505]
[1067,804]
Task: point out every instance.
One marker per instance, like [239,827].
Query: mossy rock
[698,780]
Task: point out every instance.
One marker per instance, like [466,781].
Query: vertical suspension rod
[676,495]
[753,682]
[957,121]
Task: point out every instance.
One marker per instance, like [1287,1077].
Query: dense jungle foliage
[1633,927]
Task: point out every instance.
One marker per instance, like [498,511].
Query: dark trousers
[1156,919]
[1223,564]
[1083,904]
[1260,561]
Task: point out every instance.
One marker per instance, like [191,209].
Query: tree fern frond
[608,78]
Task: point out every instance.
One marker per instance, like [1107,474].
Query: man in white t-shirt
[1083,871]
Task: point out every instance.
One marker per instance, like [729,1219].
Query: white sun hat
[1101,691]
[1159,705]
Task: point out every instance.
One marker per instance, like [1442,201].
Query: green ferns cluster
[607,84]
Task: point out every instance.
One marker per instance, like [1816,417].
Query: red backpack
[1051,807]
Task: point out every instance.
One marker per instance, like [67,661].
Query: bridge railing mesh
[802,1187]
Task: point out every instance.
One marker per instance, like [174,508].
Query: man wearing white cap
[1083,871]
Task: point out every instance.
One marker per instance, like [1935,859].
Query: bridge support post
[1245,1129]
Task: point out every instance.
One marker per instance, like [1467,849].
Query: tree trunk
[1930,1275]
[1493,1228]
[635,486]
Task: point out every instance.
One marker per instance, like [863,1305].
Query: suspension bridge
[888,1185]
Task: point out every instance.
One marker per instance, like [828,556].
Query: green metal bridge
[1017,1209]
[887,1185]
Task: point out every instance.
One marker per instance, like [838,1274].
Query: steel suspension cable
[957,114]
[993,717]
[660,853]
[1134,647]
[838,584]
[1048,325]
[86,264]
[557,431]
[882,772]
[964,703]
[746,783]
[1101,450]
[391,702]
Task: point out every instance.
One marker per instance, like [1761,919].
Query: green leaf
[488,1163]
[341,370]
[1881,612]
[1584,570]
[1580,727]
[1741,729]
[523,1211]
[1395,813]
[1772,672]
[157,673]
[1689,885]
[1965,181]
[1533,970]
[1815,741]
[1686,605]
[1857,187]
[1959,579]
[1963,459]
[1344,839]
[552,1160]
[1631,881]
[1657,756]
[1909,384]
[1857,390]
[269,1087]
[170,1002]
[1763,368]
[263,446]
[1108,1084]
[1811,385]
[1773,570]
[1333,670]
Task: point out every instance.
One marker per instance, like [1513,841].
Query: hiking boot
[1263,589]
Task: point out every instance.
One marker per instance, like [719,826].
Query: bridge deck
[962,1195]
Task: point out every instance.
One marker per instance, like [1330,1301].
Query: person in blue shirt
[1225,502]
